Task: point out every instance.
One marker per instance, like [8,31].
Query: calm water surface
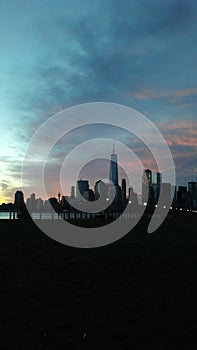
[4,215]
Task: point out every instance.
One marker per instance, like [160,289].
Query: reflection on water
[4,215]
[48,216]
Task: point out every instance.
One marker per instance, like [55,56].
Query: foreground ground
[136,293]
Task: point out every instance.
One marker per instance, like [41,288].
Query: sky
[57,54]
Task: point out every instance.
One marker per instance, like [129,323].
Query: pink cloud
[181,141]
[180,133]
[171,95]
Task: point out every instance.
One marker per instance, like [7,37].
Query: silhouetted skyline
[151,183]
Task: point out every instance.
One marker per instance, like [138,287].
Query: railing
[71,215]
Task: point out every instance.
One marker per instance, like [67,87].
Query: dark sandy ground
[137,293]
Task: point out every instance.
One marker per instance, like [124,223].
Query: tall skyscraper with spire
[113,171]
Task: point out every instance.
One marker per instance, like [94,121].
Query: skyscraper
[32,202]
[113,171]
[19,199]
[166,194]
[133,197]
[101,190]
[147,177]
[72,192]
[113,176]
[192,188]
[124,190]
[81,187]
[156,184]
[181,196]
[146,185]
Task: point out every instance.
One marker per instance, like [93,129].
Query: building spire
[113,147]
[113,171]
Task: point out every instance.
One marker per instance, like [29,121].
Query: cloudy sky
[56,54]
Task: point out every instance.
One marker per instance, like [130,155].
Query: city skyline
[140,54]
[184,201]
[149,179]
[116,175]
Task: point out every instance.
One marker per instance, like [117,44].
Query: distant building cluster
[183,197]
